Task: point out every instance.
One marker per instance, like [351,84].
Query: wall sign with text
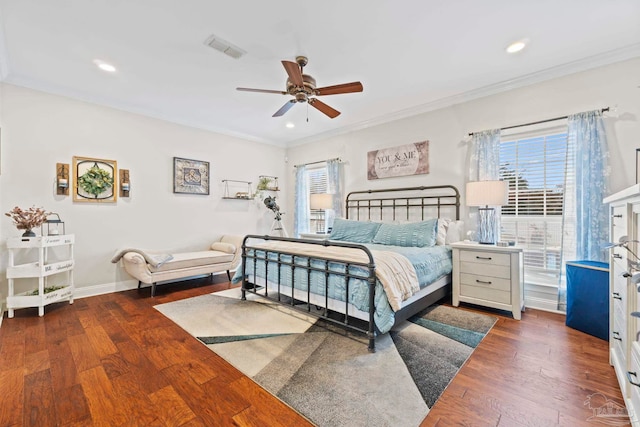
[410,159]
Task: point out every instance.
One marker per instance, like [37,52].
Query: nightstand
[488,275]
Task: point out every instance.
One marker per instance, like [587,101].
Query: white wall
[447,128]
[39,130]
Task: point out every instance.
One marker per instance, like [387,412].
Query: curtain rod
[319,161]
[602,110]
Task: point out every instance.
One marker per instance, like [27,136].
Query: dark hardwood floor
[113,360]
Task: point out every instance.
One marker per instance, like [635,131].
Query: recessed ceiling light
[104,66]
[516,46]
[290,125]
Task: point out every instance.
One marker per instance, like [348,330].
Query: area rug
[326,373]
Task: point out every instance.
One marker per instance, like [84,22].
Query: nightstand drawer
[485,282]
[493,295]
[503,271]
[485,257]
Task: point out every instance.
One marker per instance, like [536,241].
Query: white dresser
[624,354]
[488,275]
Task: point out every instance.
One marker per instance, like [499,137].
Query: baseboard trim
[542,304]
[104,288]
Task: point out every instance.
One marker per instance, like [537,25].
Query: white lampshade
[487,193]
[321,201]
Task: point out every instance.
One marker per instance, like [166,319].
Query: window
[536,169]
[318,183]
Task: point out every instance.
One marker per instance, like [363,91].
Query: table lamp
[486,195]
[321,202]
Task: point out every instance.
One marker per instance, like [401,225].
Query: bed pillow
[353,231]
[441,234]
[455,232]
[415,234]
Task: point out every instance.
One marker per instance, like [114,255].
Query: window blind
[536,169]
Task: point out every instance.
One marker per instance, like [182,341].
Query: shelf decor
[27,219]
[238,195]
[94,180]
[125,183]
[190,176]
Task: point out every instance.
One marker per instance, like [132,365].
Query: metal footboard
[278,259]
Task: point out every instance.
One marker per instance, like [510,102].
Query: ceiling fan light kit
[302,87]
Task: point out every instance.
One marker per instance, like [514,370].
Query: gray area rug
[326,373]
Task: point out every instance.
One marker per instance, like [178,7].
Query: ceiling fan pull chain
[307,112]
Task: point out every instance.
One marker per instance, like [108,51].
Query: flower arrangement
[27,219]
[95,180]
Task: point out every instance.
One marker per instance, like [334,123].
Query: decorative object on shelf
[125,183]
[239,195]
[270,203]
[487,193]
[62,179]
[27,219]
[55,226]
[410,159]
[266,183]
[190,176]
[321,202]
[94,180]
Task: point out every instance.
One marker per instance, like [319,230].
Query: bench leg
[229,275]
[139,283]
[153,289]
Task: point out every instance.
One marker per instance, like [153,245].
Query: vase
[28,233]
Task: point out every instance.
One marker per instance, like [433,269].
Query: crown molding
[606,58]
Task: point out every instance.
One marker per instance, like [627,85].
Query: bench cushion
[193,259]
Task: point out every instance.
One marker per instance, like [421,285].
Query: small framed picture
[94,180]
[637,165]
[190,176]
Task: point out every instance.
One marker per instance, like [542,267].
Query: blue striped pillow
[353,231]
[414,234]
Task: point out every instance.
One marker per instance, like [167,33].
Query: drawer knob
[616,335]
[631,376]
[616,295]
[488,258]
[483,281]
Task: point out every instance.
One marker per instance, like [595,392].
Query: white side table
[489,275]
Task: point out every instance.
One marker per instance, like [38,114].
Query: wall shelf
[271,183]
[232,190]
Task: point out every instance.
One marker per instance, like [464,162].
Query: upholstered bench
[223,255]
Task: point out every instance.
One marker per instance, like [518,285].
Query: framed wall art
[94,180]
[410,159]
[637,165]
[190,176]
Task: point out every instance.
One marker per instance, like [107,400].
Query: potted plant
[27,219]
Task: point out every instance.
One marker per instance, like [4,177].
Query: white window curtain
[484,164]
[585,217]
[301,200]
[335,188]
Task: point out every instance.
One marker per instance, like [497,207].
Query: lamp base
[487,229]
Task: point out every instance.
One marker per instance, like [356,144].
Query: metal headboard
[403,203]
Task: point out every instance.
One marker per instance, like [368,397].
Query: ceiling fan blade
[285,108]
[338,89]
[246,89]
[293,70]
[324,108]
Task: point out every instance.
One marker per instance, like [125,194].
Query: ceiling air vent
[224,46]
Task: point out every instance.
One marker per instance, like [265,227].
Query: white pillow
[455,232]
[441,236]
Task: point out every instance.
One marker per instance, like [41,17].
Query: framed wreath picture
[190,176]
[94,180]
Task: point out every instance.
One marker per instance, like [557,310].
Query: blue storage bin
[587,297]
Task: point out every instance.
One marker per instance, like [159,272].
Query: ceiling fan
[303,88]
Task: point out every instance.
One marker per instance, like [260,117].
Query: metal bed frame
[369,202]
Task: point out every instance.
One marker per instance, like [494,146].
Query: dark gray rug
[326,373]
